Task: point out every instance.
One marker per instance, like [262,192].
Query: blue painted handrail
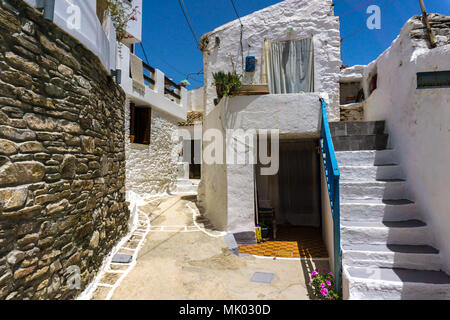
[332,175]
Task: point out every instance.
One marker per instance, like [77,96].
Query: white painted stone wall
[195,100]
[152,169]
[306,17]
[227,190]
[352,74]
[418,121]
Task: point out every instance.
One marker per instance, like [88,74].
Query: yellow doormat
[287,249]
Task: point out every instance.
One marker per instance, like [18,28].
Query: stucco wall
[418,122]
[152,169]
[195,100]
[227,190]
[62,168]
[307,18]
[212,193]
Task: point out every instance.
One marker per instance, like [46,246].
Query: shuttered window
[140,124]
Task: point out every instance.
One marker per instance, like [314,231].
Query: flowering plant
[121,14]
[322,284]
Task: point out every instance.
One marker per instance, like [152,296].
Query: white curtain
[289,66]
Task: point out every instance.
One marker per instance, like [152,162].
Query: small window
[140,124]
[430,80]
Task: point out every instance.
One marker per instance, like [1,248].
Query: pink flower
[324,270]
[314,273]
[331,273]
[322,285]
[324,292]
[328,283]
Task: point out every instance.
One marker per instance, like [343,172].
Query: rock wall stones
[440,27]
[352,112]
[153,169]
[62,159]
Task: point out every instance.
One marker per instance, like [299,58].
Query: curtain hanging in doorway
[289,66]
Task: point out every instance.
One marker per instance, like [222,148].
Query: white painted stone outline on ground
[88,293]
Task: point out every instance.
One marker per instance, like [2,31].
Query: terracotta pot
[132,139]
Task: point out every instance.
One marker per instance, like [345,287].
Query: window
[289,66]
[140,124]
[432,80]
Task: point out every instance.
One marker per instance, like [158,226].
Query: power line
[145,54]
[165,62]
[235,11]
[356,8]
[186,16]
[242,33]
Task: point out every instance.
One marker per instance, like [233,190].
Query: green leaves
[323,284]
[121,14]
[227,84]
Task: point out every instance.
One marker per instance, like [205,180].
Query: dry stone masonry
[62,159]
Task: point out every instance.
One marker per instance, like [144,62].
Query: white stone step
[366,190]
[368,173]
[187,188]
[391,256]
[394,284]
[378,210]
[366,158]
[411,232]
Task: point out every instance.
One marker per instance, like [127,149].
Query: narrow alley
[183,257]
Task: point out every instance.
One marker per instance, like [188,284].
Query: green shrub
[227,84]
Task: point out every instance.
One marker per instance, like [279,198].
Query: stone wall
[352,112]
[153,169]
[62,161]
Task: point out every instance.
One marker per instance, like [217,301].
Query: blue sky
[171,48]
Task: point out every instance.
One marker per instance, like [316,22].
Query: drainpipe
[427,24]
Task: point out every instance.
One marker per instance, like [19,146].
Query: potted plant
[323,285]
[227,84]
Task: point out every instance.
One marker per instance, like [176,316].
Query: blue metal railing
[332,176]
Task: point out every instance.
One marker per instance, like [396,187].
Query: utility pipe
[427,24]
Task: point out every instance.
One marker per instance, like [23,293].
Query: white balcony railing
[79,19]
[160,91]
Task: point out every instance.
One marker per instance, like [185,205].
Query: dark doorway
[192,155]
[140,124]
[299,184]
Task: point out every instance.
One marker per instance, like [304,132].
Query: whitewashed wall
[90,32]
[227,190]
[418,122]
[152,169]
[306,17]
[195,100]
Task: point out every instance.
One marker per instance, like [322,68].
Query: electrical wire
[186,16]
[165,62]
[356,8]
[242,33]
[145,54]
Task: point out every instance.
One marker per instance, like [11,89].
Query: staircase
[385,246]
[186,186]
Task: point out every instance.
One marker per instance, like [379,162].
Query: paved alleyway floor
[182,259]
